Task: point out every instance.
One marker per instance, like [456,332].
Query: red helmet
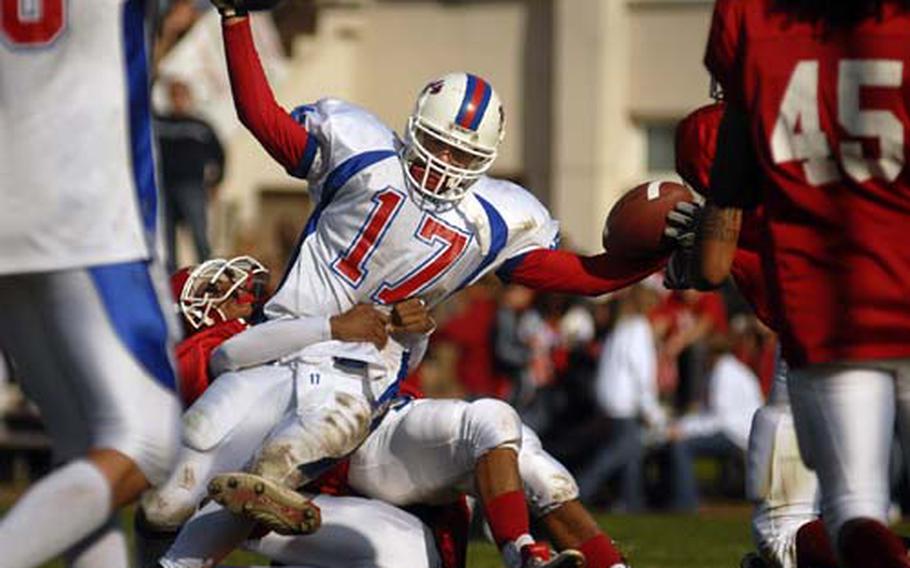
[201,290]
[696,145]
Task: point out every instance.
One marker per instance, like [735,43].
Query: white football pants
[845,419]
[269,419]
[425,452]
[783,489]
[93,347]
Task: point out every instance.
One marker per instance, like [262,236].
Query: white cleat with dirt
[272,505]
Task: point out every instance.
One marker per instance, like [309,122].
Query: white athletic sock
[210,535]
[54,514]
[105,548]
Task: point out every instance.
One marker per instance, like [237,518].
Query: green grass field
[716,538]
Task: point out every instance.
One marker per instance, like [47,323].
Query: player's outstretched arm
[268,341]
[281,136]
[274,339]
[566,272]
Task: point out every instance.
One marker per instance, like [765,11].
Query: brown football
[635,225]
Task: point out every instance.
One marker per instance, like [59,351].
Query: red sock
[813,547]
[866,543]
[507,515]
[600,552]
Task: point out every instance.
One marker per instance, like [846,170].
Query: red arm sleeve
[569,273]
[281,136]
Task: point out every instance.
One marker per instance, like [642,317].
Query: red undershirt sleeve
[287,141]
[569,273]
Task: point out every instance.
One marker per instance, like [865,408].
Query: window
[659,147]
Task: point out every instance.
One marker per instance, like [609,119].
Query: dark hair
[838,13]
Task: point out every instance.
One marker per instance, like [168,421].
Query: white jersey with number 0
[77,185]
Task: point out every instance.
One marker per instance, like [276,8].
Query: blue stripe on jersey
[309,153]
[133,307]
[504,272]
[335,181]
[392,390]
[139,110]
[499,235]
[299,113]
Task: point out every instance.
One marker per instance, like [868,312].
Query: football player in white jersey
[80,300]
[394,220]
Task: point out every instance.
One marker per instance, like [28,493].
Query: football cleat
[537,555]
[278,508]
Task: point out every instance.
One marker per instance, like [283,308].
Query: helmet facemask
[214,282]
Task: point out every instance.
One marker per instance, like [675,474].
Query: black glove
[682,221]
[676,274]
[231,8]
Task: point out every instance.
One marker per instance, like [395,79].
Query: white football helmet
[452,137]
[200,291]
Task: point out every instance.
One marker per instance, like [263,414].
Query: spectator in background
[691,318]
[192,166]
[626,393]
[511,348]
[721,428]
[470,330]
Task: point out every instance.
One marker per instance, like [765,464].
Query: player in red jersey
[785,523]
[817,113]
[215,299]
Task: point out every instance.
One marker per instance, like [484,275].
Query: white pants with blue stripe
[91,347]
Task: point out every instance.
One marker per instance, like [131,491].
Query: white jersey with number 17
[77,176]
[368,241]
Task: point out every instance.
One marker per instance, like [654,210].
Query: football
[635,225]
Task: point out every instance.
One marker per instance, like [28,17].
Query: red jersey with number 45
[828,118]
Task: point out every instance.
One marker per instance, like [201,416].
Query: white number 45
[810,145]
